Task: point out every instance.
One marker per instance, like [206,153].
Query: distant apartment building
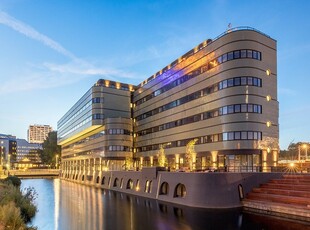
[38,133]
[217,101]
[8,150]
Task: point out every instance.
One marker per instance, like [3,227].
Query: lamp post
[305,146]
[9,161]
[56,161]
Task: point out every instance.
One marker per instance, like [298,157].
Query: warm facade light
[268,97]
[268,123]
[268,72]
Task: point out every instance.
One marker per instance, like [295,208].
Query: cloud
[51,75]
[30,32]
[85,68]
[40,79]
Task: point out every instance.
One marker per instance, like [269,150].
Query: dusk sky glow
[52,52]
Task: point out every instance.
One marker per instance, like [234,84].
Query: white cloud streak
[30,32]
[51,75]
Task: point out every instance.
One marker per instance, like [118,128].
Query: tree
[162,159]
[190,154]
[50,149]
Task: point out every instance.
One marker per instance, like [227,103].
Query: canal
[66,205]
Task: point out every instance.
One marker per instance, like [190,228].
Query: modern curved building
[215,107]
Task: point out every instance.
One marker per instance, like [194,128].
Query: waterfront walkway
[287,197]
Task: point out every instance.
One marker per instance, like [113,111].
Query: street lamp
[56,161]
[305,146]
[9,162]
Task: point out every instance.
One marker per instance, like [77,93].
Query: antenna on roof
[229,27]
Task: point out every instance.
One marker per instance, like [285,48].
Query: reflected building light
[56,200]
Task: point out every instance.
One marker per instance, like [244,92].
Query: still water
[66,205]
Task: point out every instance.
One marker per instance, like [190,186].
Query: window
[237,135]
[255,54]
[224,57]
[236,54]
[250,108]
[230,136]
[244,135]
[129,184]
[243,80]
[230,82]
[249,53]
[138,185]
[180,190]
[224,136]
[237,108]
[148,186]
[230,109]
[224,110]
[164,189]
[115,184]
[244,108]
[230,56]
[250,81]
[237,81]
[224,84]
[243,53]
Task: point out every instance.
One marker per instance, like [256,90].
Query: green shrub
[23,200]
[13,180]
[10,217]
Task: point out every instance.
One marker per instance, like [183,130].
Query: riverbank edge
[198,189]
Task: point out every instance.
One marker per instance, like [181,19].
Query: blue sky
[53,51]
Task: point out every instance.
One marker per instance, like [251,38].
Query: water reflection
[65,205]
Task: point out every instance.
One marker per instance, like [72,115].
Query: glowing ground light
[291,168]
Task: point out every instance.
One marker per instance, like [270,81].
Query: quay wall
[194,189]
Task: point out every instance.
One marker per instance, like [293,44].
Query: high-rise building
[214,107]
[38,133]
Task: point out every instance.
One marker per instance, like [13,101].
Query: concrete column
[264,160]
[141,162]
[214,159]
[177,161]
